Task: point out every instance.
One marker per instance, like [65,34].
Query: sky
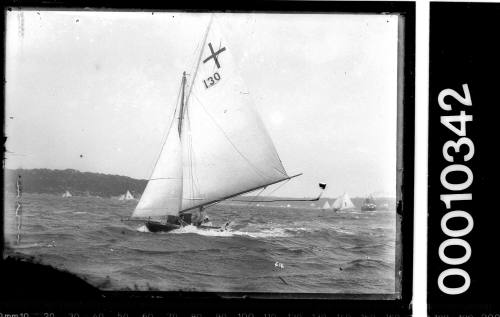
[95,91]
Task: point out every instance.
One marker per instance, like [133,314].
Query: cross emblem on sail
[214,55]
[224,149]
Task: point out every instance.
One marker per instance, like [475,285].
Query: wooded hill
[46,181]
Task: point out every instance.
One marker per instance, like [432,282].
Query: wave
[368,263]
[314,248]
[344,231]
[60,211]
[142,228]
[139,250]
[260,231]
[265,233]
[37,228]
[53,236]
[153,252]
[26,246]
[109,232]
[191,229]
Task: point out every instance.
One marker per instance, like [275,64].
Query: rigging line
[164,139]
[196,181]
[282,172]
[273,147]
[254,199]
[194,56]
[256,196]
[281,185]
[274,200]
[190,154]
[190,161]
[199,59]
[219,201]
[192,176]
[260,173]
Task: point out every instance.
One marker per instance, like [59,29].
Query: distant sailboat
[67,194]
[326,206]
[126,196]
[217,146]
[343,203]
[369,204]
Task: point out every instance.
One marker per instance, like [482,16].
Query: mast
[163,193]
[181,113]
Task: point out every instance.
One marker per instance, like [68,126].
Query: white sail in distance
[326,205]
[343,203]
[226,148]
[128,196]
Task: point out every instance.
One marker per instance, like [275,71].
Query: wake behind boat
[216,148]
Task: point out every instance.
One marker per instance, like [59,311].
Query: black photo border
[37,289]
[462,50]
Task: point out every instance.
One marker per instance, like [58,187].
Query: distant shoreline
[88,184]
[47,181]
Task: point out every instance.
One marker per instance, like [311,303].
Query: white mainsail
[326,205]
[67,194]
[224,148]
[343,203]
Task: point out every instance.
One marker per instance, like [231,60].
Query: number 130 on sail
[212,80]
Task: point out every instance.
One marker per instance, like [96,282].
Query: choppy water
[321,252]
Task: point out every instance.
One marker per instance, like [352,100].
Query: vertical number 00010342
[453,149]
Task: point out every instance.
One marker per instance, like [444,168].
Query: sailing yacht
[369,204]
[343,203]
[126,196]
[217,146]
[67,194]
[326,206]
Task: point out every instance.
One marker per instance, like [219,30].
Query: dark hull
[154,226]
[368,208]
